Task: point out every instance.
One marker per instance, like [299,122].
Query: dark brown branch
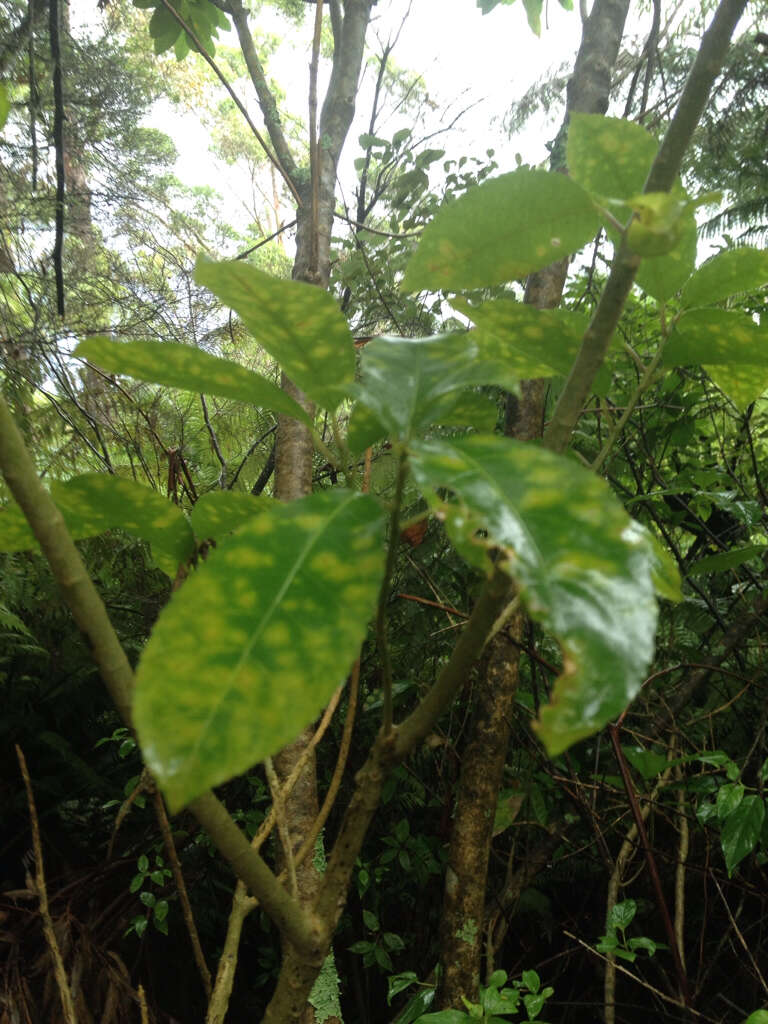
[58,141]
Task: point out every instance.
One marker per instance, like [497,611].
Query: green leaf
[742,384]
[609,155]
[533,13]
[494,1001]
[408,384]
[662,276]
[416,1005]
[758,1017]
[729,273]
[143,863]
[622,914]
[300,325]
[398,983]
[220,512]
[531,980]
[370,920]
[5,105]
[664,570]
[361,947]
[729,797]
[644,943]
[727,559]
[502,230]
[717,337]
[648,763]
[583,572]
[532,342]
[443,1017]
[497,979]
[473,409]
[255,642]
[95,502]
[728,344]
[163,28]
[741,831]
[533,1005]
[187,368]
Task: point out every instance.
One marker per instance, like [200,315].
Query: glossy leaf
[501,231]
[728,799]
[532,342]
[741,831]
[300,325]
[758,1017]
[609,156]
[253,645]
[728,273]
[415,1007]
[95,502]
[408,384]
[583,572]
[187,368]
[219,512]
[622,914]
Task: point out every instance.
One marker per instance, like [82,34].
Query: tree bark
[463,920]
[463,925]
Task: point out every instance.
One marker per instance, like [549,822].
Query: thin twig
[278,806]
[644,984]
[740,937]
[67,1002]
[651,862]
[376,231]
[181,888]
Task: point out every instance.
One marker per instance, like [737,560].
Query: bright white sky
[465,58]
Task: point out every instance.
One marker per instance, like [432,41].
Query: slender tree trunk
[463,925]
[464,901]
[294,448]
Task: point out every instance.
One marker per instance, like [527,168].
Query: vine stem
[386,588]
